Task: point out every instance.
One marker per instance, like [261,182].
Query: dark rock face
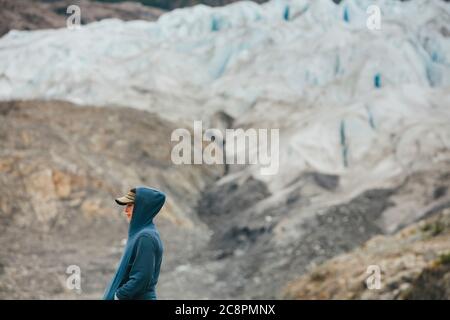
[223,208]
[331,232]
[341,228]
[326,181]
[432,284]
[22,15]
[229,199]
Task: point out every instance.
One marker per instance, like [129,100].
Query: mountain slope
[36,14]
[414,264]
[61,168]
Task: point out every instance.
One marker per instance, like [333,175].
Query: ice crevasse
[348,100]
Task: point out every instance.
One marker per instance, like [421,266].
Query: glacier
[371,106]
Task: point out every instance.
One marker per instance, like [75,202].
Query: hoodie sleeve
[141,271]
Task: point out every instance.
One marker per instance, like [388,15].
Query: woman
[138,270]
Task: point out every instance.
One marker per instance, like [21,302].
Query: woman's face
[129,211]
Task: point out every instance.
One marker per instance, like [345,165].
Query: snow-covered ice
[368,105]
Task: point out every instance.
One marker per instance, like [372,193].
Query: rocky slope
[36,14]
[414,264]
[61,167]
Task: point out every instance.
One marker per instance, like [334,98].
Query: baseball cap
[128,198]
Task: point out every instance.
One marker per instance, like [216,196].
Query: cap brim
[123,201]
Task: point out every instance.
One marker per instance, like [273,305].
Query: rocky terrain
[60,174]
[61,167]
[364,150]
[38,14]
[414,264]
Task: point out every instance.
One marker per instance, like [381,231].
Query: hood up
[147,204]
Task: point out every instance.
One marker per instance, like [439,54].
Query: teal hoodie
[138,269]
